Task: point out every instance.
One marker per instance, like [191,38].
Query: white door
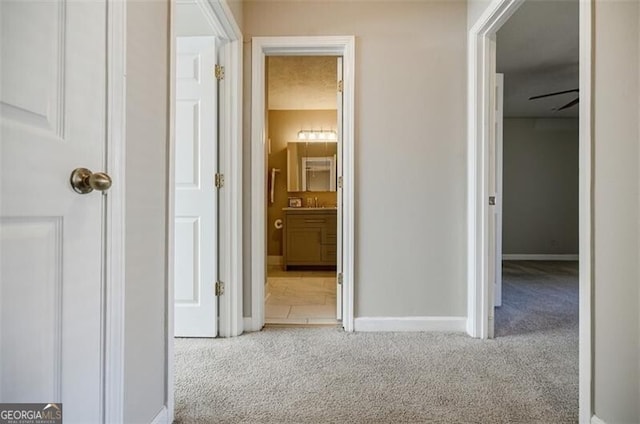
[196,207]
[339,195]
[497,210]
[52,111]
[495,205]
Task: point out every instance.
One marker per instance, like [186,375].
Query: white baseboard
[457,324]
[274,260]
[162,417]
[539,257]
[596,420]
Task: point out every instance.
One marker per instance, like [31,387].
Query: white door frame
[481,62]
[299,46]
[230,324]
[115,213]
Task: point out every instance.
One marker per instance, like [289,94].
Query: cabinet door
[303,245]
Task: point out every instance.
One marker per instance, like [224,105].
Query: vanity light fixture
[317,135]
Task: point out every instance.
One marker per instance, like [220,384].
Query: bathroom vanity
[310,237]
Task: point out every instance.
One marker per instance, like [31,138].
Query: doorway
[536,177]
[304,114]
[264,48]
[482,104]
[205,290]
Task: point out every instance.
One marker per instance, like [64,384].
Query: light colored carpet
[323,375]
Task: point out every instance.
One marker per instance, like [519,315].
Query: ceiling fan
[557,93]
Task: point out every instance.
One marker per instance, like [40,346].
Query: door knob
[84,181]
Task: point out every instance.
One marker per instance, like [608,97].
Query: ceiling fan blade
[575,90]
[568,105]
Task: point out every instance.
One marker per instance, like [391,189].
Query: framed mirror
[311,166]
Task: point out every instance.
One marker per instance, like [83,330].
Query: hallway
[528,374]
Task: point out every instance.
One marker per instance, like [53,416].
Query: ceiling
[538,53]
[302,82]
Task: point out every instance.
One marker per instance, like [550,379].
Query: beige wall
[540,186]
[616,212]
[146,171]
[410,144]
[283,127]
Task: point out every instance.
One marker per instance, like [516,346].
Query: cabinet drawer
[329,253]
[305,221]
[329,238]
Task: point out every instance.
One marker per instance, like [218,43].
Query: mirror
[311,166]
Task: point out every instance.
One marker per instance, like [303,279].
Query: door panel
[188,260]
[196,208]
[188,150]
[32,91]
[34,362]
[53,119]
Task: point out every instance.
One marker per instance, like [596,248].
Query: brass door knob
[84,181]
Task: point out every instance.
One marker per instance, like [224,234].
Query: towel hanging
[273,184]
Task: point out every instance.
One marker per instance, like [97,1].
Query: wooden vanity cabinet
[310,237]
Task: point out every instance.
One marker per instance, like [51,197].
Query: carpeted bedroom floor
[528,374]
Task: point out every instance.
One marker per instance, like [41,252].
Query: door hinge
[340,86]
[492,200]
[219,288]
[340,182]
[219,180]
[219,72]
[340,278]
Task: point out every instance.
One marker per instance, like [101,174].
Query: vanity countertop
[332,208]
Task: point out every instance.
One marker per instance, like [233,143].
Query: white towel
[273,184]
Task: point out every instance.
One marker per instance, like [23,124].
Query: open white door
[52,250]
[495,204]
[339,167]
[196,205]
[497,209]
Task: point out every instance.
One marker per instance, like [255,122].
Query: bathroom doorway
[303,122]
[342,48]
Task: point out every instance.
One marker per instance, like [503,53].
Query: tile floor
[300,297]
